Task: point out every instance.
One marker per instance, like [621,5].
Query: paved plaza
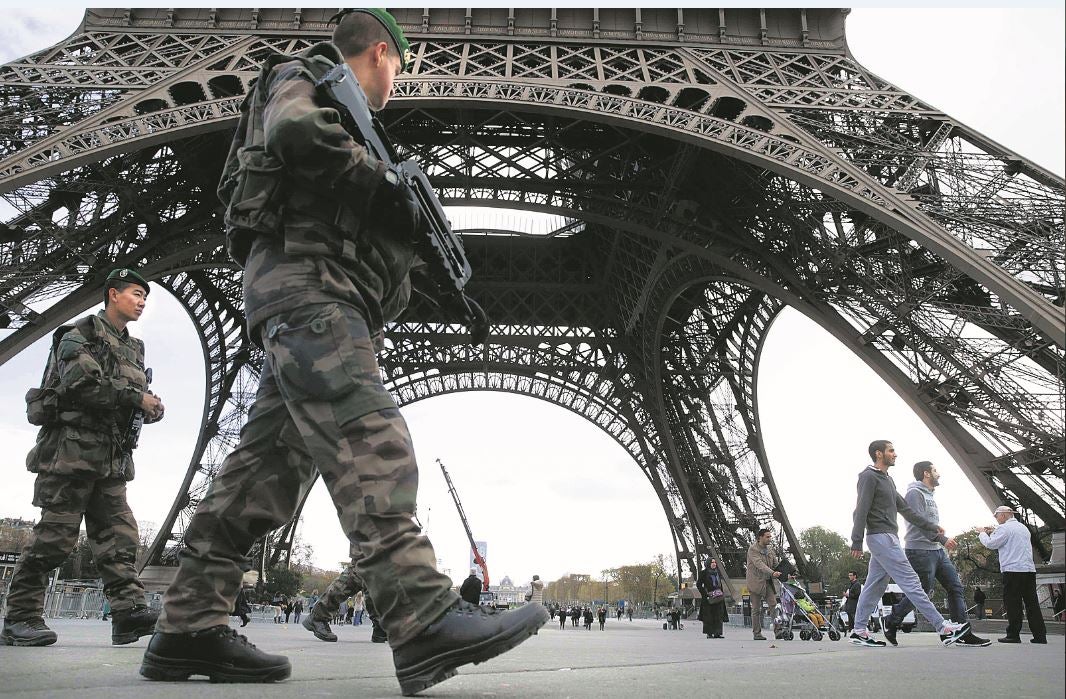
[629,659]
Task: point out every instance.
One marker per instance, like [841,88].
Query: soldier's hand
[951,544]
[477,321]
[150,404]
[401,211]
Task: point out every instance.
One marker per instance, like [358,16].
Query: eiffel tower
[706,167]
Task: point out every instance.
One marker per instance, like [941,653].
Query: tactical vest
[260,196]
[78,440]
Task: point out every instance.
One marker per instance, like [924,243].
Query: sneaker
[1009,639]
[972,641]
[890,630]
[759,637]
[30,632]
[319,628]
[220,653]
[865,639]
[127,625]
[465,633]
[951,632]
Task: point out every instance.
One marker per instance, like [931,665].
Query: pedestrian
[575,614]
[562,618]
[587,614]
[602,614]
[851,597]
[552,609]
[470,590]
[297,609]
[288,610]
[875,518]
[712,599]
[358,606]
[106,611]
[979,602]
[1014,543]
[93,397]
[342,612]
[241,608]
[928,556]
[536,590]
[1058,604]
[322,229]
[760,575]
[350,614]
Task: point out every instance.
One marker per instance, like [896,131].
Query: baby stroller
[797,611]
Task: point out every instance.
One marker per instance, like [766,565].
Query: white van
[892,595]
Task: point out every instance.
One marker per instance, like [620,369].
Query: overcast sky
[550,492]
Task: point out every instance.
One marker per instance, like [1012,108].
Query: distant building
[15,532]
[508,593]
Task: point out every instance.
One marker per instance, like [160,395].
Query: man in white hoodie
[929,558]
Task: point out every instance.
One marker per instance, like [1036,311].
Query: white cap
[1003,509]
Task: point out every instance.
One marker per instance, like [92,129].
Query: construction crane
[478,558]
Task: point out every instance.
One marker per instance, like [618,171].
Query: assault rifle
[437,245]
[137,419]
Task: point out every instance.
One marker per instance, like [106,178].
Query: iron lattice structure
[707,167]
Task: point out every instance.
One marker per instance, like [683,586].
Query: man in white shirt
[1011,538]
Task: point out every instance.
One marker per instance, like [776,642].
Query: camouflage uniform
[321,277]
[82,465]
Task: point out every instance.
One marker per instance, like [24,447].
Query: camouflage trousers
[109,526]
[347,584]
[320,403]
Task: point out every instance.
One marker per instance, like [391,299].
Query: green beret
[403,46]
[125,274]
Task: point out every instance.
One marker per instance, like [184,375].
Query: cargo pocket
[328,356]
[81,452]
[306,359]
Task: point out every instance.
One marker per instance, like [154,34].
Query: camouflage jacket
[101,383]
[299,192]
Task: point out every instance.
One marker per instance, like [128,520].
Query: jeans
[1020,589]
[932,564]
[887,560]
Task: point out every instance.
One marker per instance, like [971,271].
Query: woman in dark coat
[712,602]
[241,608]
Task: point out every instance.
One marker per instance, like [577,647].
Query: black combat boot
[28,632]
[127,625]
[220,653]
[318,626]
[466,633]
[378,635]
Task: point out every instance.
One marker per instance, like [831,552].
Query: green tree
[80,564]
[977,565]
[285,581]
[830,558]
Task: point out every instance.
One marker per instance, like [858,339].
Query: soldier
[346,585]
[323,236]
[94,386]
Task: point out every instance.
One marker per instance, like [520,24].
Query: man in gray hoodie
[929,558]
[875,516]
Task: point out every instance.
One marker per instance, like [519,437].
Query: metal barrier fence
[76,600]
